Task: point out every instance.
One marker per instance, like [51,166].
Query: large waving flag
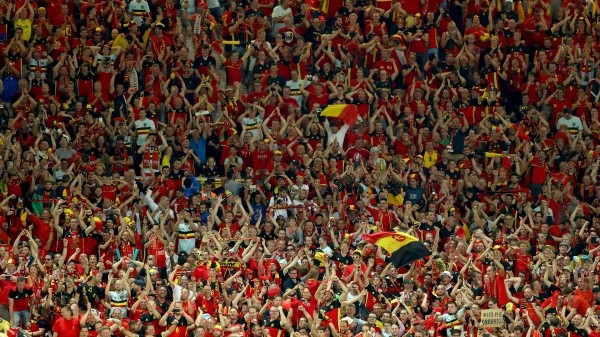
[402,247]
[348,113]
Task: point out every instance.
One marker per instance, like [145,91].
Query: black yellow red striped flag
[403,248]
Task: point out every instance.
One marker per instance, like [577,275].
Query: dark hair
[68,308]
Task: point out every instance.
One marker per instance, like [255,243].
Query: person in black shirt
[189,83]
[176,316]
[210,169]
[203,62]
[314,29]
[262,63]
[277,320]
[274,81]
[89,291]
[37,321]
[291,280]
[508,13]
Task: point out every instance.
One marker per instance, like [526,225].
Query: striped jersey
[186,238]
[142,129]
[118,301]
[138,9]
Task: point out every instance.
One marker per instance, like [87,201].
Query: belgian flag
[347,113]
[402,247]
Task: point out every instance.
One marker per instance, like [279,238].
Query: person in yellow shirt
[24,21]
[430,155]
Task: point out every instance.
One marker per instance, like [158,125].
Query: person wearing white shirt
[573,123]
[335,132]
[137,9]
[279,202]
[163,205]
[294,85]
[279,13]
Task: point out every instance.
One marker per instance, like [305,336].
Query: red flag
[502,295]
[249,291]
[522,134]
[332,316]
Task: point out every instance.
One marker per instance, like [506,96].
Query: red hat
[273,290]
[272,261]
[203,5]
[94,272]
[312,285]
[322,18]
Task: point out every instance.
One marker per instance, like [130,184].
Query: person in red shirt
[575,301]
[7,283]
[67,325]
[318,96]
[385,219]
[358,152]
[233,65]
[261,156]
[98,99]
[206,302]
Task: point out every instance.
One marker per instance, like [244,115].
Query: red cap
[272,261]
[322,18]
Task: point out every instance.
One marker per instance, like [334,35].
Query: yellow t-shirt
[25,25]
[429,159]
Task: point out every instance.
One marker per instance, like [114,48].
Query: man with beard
[45,196]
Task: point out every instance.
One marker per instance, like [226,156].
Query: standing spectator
[20,299]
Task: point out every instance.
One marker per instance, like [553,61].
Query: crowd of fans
[167,169]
